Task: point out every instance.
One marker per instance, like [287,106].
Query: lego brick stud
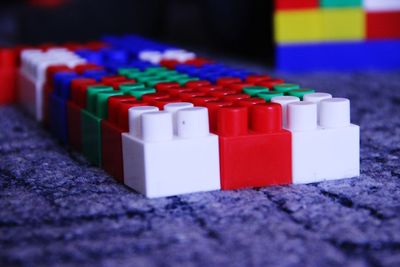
[302,116]
[192,122]
[266,118]
[173,108]
[157,126]
[232,121]
[135,123]
[334,113]
[284,101]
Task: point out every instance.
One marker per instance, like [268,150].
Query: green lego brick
[286,87]
[254,90]
[102,103]
[174,78]
[126,71]
[126,87]
[167,73]
[155,70]
[138,93]
[340,3]
[148,78]
[301,92]
[91,137]
[91,93]
[267,96]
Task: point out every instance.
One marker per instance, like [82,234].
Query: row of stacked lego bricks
[165,122]
[353,30]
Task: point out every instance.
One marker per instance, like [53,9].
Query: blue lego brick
[339,56]
[58,117]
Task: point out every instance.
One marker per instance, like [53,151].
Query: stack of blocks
[164,121]
[337,34]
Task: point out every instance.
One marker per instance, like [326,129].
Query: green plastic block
[149,77]
[267,96]
[153,83]
[138,93]
[167,73]
[254,90]
[286,87]
[155,69]
[340,3]
[301,92]
[91,93]
[138,75]
[174,78]
[91,137]
[183,81]
[126,71]
[102,103]
[131,86]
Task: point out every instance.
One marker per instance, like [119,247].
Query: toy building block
[112,129]
[383,25]
[8,75]
[324,150]
[96,110]
[296,4]
[159,163]
[32,75]
[255,156]
[381,5]
[382,55]
[296,26]
[340,3]
[343,24]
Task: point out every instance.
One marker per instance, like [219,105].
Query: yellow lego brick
[298,26]
[319,25]
[343,24]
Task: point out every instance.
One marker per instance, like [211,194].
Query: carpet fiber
[57,210]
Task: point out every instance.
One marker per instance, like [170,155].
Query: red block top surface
[270,83]
[113,106]
[123,113]
[296,4]
[164,86]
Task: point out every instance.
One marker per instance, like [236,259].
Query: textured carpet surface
[57,210]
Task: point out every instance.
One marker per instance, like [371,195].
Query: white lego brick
[151,56]
[178,54]
[32,76]
[327,150]
[159,163]
[284,101]
[381,5]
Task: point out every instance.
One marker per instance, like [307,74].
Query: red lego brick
[223,81]
[221,93]
[249,102]
[164,86]
[198,62]
[383,25]
[235,97]
[74,107]
[8,75]
[254,149]
[151,98]
[270,83]
[238,87]
[202,100]
[114,78]
[116,83]
[213,107]
[209,88]
[160,103]
[296,4]
[111,134]
[195,84]
[81,68]
[188,96]
[169,63]
[257,78]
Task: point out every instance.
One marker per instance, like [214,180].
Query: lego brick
[296,4]
[339,56]
[8,75]
[327,149]
[340,3]
[322,25]
[343,24]
[290,26]
[96,110]
[159,162]
[383,25]
[381,5]
[255,156]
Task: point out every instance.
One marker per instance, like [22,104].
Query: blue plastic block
[95,74]
[58,117]
[339,56]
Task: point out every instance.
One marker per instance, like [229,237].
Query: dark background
[239,28]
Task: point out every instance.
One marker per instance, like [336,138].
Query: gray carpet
[57,210]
